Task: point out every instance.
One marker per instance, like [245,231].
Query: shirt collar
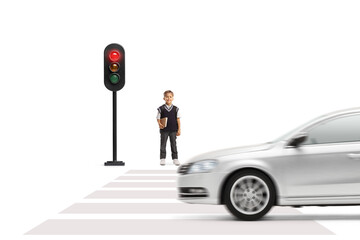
[168,107]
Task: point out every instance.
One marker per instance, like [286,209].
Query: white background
[243,72]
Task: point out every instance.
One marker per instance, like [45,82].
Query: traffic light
[114,67]
[114,80]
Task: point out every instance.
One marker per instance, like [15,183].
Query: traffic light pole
[114,127]
[114,162]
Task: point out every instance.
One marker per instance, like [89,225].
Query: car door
[327,165]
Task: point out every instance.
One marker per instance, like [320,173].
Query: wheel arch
[228,177]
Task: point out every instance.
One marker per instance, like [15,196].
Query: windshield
[292,132]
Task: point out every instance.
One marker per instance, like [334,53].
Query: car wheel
[249,195]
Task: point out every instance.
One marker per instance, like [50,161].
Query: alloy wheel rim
[250,195]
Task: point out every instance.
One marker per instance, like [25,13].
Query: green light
[114,78]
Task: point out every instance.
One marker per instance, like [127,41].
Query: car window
[344,129]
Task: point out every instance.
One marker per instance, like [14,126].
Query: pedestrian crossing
[139,201]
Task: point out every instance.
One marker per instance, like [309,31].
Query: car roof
[343,111]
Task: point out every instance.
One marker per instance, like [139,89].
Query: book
[163,121]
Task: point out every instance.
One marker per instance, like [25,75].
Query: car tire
[249,195]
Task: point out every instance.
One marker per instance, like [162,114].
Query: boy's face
[168,98]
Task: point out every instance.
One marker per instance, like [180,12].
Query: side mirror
[297,139]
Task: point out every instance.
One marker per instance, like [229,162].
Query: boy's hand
[161,126]
[178,132]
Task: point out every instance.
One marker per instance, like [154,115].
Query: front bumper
[202,188]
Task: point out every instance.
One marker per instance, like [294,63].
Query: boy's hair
[168,91]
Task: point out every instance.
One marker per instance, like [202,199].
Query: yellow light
[114,67]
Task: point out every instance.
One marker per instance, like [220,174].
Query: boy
[172,128]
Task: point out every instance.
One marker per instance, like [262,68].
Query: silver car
[317,164]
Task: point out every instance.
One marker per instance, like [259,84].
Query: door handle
[354,156]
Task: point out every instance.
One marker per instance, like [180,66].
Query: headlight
[202,166]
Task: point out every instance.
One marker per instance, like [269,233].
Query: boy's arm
[158,119]
[160,125]
[179,128]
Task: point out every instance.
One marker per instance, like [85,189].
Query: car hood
[231,151]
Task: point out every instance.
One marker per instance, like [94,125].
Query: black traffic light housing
[114,67]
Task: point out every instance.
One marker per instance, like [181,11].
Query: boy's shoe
[162,162]
[176,162]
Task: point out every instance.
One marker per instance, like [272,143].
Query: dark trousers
[164,137]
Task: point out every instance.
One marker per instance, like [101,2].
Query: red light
[114,55]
